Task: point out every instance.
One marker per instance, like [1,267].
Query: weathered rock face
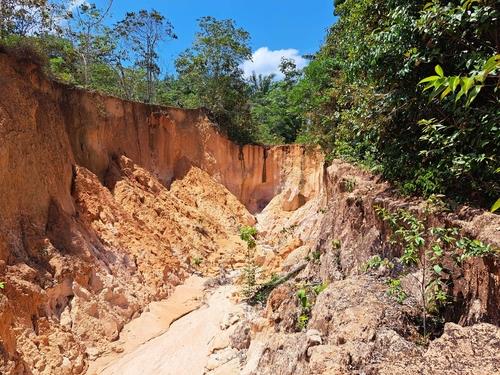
[106,205]
[354,327]
[344,216]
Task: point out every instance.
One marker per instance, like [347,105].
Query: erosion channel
[122,252]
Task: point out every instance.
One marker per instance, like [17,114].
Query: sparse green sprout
[289,230]
[302,322]
[318,289]
[373,263]
[197,261]
[2,284]
[248,234]
[349,184]
[305,307]
[376,262]
[316,255]
[302,296]
[307,295]
[336,244]
[396,291]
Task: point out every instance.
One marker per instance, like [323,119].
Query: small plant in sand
[249,234]
[306,296]
[197,261]
[2,284]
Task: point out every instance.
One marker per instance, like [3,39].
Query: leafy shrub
[425,248]
[25,49]
[375,262]
[336,244]
[250,279]
[473,248]
[316,255]
[249,234]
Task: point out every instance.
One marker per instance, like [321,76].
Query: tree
[91,39]
[272,107]
[260,84]
[27,17]
[360,98]
[144,31]
[210,76]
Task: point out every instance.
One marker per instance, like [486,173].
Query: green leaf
[492,64]
[473,94]
[439,71]
[454,82]
[496,206]
[429,79]
[437,268]
[445,93]
[438,250]
[467,83]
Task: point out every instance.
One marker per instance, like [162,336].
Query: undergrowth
[424,249]
[306,296]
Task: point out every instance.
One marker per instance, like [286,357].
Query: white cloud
[265,61]
[75,4]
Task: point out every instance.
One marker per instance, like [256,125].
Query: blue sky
[278,27]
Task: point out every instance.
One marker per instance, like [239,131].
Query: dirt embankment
[107,204]
[353,326]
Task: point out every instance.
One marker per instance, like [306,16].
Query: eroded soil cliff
[107,205]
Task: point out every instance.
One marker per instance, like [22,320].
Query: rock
[219,342]
[66,365]
[295,257]
[93,353]
[212,363]
[314,337]
[65,319]
[240,337]
[110,329]
[293,200]
[230,368]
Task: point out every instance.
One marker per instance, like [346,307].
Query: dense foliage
[369,107]
[209,75]
[406,88]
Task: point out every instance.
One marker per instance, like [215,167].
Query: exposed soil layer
[107,205]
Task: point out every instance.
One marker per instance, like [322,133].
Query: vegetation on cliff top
[406,88]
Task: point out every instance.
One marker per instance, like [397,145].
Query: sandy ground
[154,321]
[183,349]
